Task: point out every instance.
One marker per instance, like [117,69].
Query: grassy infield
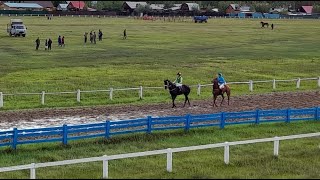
[153,52]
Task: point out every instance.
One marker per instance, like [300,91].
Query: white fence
[140,89]
[105,159]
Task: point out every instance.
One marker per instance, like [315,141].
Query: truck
[200,19]
[16,28]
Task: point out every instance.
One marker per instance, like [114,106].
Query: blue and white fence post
[111,93]
[298,83]
[65,134]
[140,92]
[318,81]
[222,120]
[257,116]
[199,90]
[1,100]
[188,119]
[42,97]
[316,114]
[169,160]
[105,167]
[226,153]
[107,133]
[15,138]
[274,84]
[288,115]
[250,85]
[149,124]
[276,146]
[78,95]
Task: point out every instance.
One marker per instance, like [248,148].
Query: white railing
[105,159]
[140,89]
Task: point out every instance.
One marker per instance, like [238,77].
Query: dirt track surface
[101,113]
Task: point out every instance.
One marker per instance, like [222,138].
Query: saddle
[180,89]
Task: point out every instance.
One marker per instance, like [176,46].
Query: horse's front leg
[222,100]
[214,100]
[173,98]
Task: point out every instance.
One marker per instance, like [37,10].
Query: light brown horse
[217,91]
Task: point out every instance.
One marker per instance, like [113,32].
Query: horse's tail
[187,89]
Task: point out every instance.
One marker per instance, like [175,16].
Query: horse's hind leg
[222,99]
[186,99]
[173,98]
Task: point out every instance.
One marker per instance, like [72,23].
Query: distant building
[157,6]
[45,4]
[76,5]
[189,6]
[233,8]
[129,7]
[62,7]
[276,10]
[22,6]
[306,9]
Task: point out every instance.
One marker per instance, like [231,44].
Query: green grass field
[153,51]
[298,158]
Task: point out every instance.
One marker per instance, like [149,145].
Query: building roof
[133,5]
[157,6]
[245,8]
[307,9]
[191,5]
[63,6]
[45,4]
[77,4]
[23,5]
[235,6]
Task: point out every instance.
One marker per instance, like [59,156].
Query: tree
[168,4]
[109,5]
[316,9]
[56,3]
[262,7]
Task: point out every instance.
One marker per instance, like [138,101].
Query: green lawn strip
[297,158]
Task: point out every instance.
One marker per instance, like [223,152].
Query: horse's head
[261,22]
[215,83]
[167,84]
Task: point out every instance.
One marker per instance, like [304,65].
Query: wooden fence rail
[65,133]
[141,88]
[169,152]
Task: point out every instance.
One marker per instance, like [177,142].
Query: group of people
[93,37]
[61,41]
[47,44]
[178,81]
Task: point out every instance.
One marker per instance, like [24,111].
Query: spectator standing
[94,37]
[125,34]
[46,44]
[91,37]
[37,43]
[49,44]
[85,37]
[100,35]
[62,41]
[59,40]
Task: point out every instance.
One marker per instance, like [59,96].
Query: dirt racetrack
[9,119]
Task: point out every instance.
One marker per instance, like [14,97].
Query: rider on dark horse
[178,81]
[221,81]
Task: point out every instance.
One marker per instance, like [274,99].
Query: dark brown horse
[217,91]
[175,91]
[264,24]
